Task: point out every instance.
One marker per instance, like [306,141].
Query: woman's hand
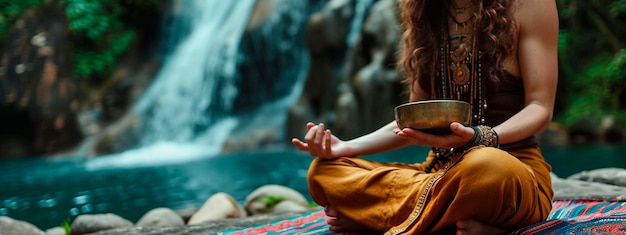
[320,142]
[459,137]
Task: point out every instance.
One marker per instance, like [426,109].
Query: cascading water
[361,9]
[201,94]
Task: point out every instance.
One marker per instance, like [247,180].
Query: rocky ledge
[273,202]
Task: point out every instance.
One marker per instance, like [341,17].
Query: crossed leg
[340,223]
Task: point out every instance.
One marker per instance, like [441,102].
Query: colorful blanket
[566,217]
[582,217]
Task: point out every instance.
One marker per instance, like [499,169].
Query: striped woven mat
[566,217]
[582,217]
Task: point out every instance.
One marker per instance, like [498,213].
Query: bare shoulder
[536,14]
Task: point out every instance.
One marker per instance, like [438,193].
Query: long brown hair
[422,22]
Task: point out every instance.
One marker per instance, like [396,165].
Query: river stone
[161,217]
[569,189]
[55,231]
[613,176]
[84,224]
[219,206]
[214,227]
[289,206]
[257,201]
[16,227]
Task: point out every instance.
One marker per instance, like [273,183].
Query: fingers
[309,138]
[300,145]
[310,135]
[460,130]
[327,144]
[421,138]
[461,134]
[317,141]
[319,135]
[409,135]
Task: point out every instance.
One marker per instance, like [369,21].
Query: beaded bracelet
[485,136]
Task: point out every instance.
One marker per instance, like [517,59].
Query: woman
[501,57]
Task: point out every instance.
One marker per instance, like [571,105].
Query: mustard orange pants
[505,189]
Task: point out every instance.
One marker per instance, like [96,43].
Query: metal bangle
[487,136]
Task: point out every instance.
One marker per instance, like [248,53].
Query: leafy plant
[592,59]
[272,200]
[10,10]
[98,32]
[67,226]
[97,25]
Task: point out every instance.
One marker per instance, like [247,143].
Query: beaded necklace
[460,69]
[460,74]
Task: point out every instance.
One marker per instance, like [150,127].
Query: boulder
[265,199]
[611,132]
[217,207]
[555,136]
[55,231]
[569,189]
[15,227]
[583,132]
[612,176]
[161,217]
[84,224]
[289,206]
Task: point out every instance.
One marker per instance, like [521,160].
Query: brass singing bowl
[432,116]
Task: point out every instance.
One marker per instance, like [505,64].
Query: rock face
[352,94]
[38,97]
[327,32]
[371,88]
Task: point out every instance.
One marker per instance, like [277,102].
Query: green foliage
[592,58]
[98,32]
[88,62]
[272,200]
[98,26]
[618,7]
[10,10]
[67,226]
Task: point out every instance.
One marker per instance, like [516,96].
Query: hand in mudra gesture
[320,142]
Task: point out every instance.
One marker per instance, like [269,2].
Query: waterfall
[198,80]
[201,95]
[361,9]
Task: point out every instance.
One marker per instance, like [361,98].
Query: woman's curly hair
[422,22]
